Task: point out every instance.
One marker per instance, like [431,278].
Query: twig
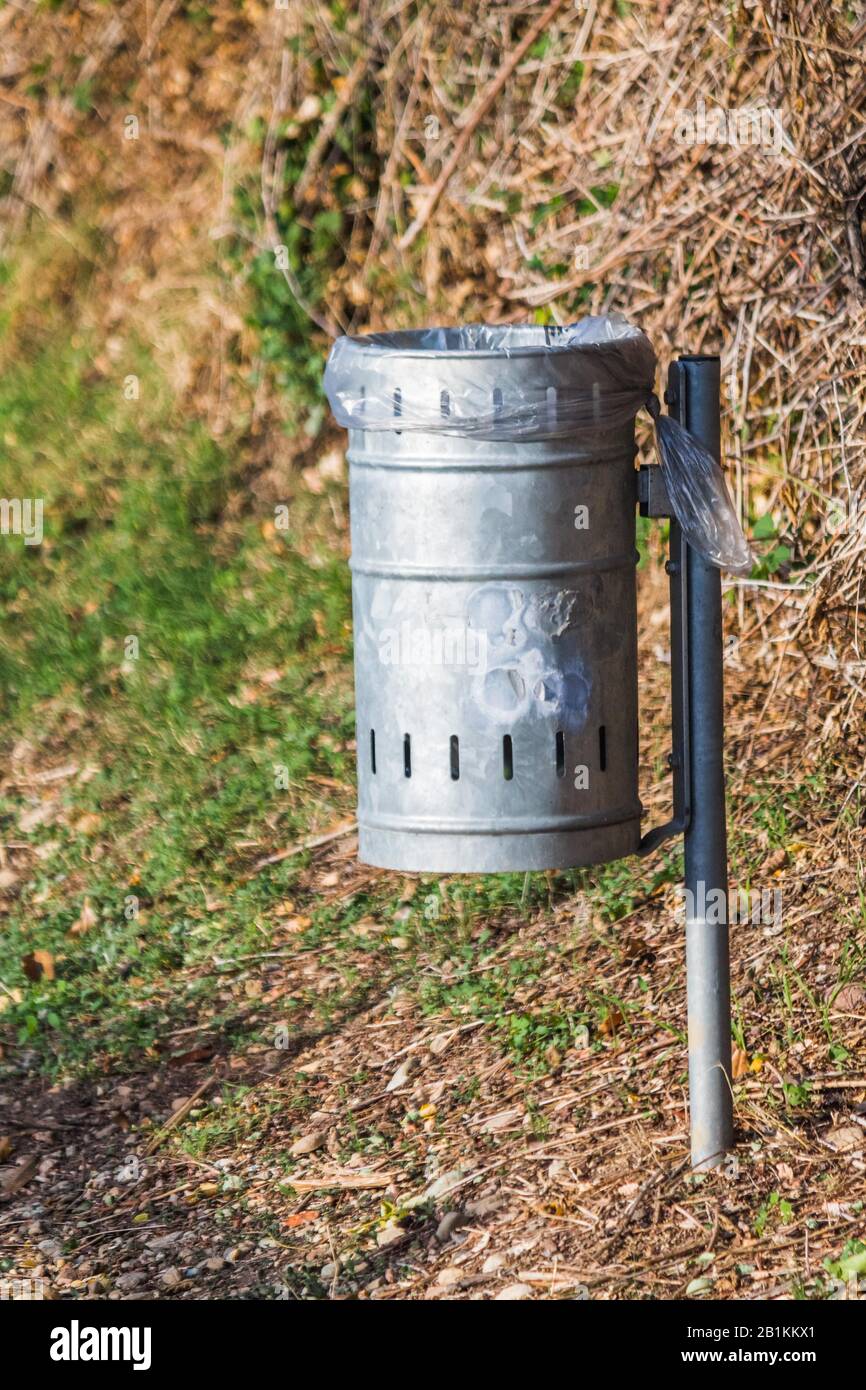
[311,842]
[482,106]
[179,1114]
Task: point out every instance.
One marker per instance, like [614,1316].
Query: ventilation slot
[497,403]
[602,748]
[507,758]
[560,754]
[444,403]
[373,751]
[455,758]
[407,755]
[551,405]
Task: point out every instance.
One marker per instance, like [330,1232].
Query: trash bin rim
[404,343]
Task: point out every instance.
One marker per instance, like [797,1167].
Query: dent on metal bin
[495,620]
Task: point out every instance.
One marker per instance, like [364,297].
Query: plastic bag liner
[523,382]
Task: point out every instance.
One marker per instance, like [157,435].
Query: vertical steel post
[693,399]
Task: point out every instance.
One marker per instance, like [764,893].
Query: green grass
[134,644]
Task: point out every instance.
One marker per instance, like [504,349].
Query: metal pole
[693,398]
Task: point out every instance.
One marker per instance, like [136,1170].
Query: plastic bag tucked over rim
[505,382]
[525,381]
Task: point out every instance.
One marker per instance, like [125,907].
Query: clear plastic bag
[699,495]
[525,381]
[510,381]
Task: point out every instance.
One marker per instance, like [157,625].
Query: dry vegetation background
[427,163]
[570,193]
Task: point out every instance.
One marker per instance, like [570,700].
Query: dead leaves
[300,1218]
[843,1138]
[850,999]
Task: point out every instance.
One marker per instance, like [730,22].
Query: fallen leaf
[851,999]
[308,1143]
[195,1054]
[505,1119]
[700,1285]
[88,824]
[300,1218]
[401,1075]
[739,1064]
[843,1138]
[19,1176]
[609,1024]
[441,1042]
[37,964]
[87,918]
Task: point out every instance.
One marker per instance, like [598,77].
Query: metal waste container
[493,580]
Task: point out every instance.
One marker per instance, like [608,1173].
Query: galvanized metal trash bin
[494,612]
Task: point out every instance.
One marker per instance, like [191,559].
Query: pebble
[308,1143]
[513,1292]
[130,1280]
[389,1234]
[160,1242]
[170,1277]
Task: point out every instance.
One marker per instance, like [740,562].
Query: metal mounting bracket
[654,502]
